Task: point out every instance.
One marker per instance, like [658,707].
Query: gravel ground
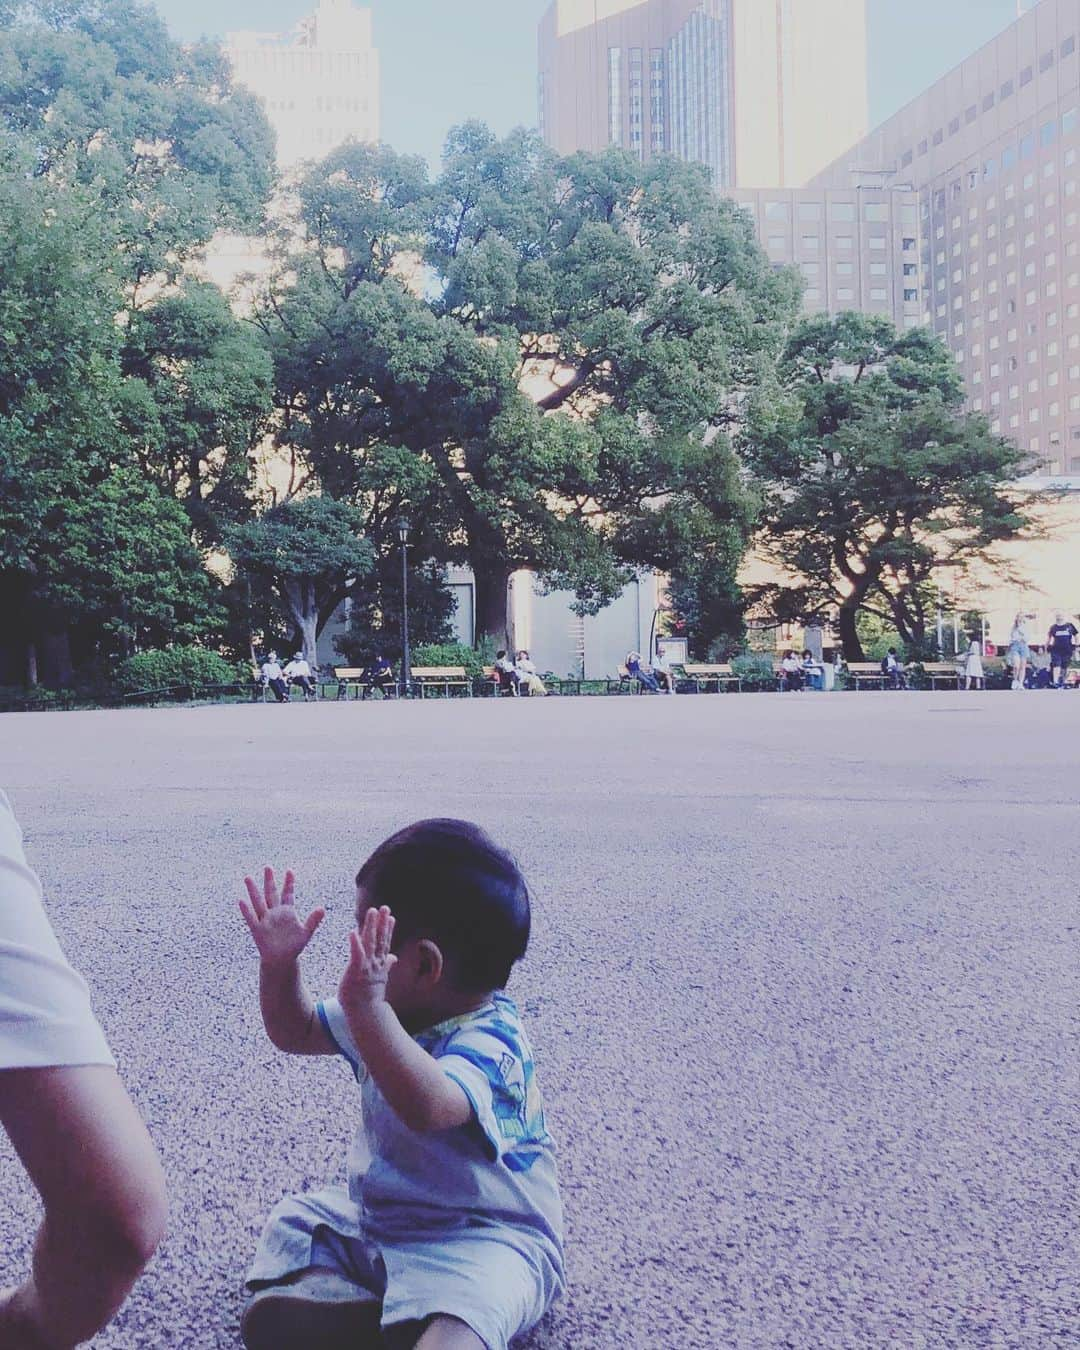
[803,990]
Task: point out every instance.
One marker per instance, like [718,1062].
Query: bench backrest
[438,672]
[940,667]
[348,672]
[699,670]
[864,667]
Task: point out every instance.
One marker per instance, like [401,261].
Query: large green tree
[873,477]
[121,386]
[561,346]
[308,553]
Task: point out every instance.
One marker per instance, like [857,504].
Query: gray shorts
[488,1284]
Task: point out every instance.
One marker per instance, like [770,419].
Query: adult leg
[88,1153]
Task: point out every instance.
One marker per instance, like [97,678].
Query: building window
[777,243]
[614,57]
[878,293]
[844,269]
[844,242]
[776,211]
[810,243]
[910,296]
[906,159]
[845,293]
[878,241]
[1026,76]
[1068,47]
[842,211]
[1069,120]
[954,126]
[1006,90]
[988,102]
[923,147]
[809,210]
[939,136]
[876,213]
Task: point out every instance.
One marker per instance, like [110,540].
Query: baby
[449,1236]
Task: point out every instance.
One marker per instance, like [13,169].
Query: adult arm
[88,1154]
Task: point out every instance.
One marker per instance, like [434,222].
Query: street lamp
[406,663]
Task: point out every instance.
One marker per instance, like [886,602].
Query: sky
[445,61]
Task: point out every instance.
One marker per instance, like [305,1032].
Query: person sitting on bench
[644,675]
[791,673]
[380,675]
[893,670]
[506,674]
[298,672]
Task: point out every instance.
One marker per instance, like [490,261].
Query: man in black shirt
[1061,640]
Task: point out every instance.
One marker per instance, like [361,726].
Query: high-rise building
[992,152]
[319,83]
[765,92]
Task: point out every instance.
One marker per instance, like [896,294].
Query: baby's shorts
[489,1285]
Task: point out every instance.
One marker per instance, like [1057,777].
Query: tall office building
[991,150]
[765,92]
[319,83]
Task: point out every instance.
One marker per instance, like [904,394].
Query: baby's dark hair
[448,881]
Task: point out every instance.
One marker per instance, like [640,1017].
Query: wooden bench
[722,676]
[445,678]
[943,670]
[867,672]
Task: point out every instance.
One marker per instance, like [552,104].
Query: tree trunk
[31,664]
[305,614]
[492,603]
[849,635]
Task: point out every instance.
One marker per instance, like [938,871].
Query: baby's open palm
[278,930]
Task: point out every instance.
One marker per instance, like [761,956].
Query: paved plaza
[804,990]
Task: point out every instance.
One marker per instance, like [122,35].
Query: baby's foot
[318,1309]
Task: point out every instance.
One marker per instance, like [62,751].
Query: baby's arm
[421,1094]
[280,936]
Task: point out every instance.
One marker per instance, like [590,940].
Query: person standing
[1061,640]
[973,666]
[1019,651]
[73,1126]
[299,672]
[274,677]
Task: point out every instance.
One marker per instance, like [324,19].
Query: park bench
[445,678]
[867,672]
[702,676]
[947,671]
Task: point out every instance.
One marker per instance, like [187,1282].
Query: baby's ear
[429,961]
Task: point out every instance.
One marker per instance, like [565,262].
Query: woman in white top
[973,666]
[528,680]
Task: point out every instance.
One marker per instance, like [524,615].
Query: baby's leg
[313,1284]
[437,1333]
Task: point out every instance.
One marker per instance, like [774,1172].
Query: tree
[873,477]
[199,396]
[120,155]
[563,346]
[309,552]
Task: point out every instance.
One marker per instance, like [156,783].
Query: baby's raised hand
[370,961]
[279,932]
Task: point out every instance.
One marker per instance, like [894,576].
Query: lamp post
[406,663]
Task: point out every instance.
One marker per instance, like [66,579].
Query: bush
[756,671]
[448,654]
[163,668]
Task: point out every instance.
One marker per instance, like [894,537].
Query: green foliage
[165,668]
[375,611]
[306,553]
[756,671]
[585,332]
[873,477]
[448,654]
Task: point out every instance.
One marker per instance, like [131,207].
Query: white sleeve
[45,1016]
